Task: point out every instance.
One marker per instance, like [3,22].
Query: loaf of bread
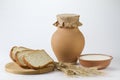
[37,59]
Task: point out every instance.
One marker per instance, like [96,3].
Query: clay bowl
[100,61]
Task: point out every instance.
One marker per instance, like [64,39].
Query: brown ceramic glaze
[67,41]
[100,64]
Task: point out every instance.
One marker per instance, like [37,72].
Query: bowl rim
[95,60]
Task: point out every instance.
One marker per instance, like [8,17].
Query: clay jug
[67,41]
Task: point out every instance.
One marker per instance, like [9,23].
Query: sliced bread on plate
[38,59]
[19,57]
[15,49]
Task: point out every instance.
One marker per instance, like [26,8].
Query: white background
[29,23]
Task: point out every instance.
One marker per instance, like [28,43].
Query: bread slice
[38,59]
[16,49]
[19,57]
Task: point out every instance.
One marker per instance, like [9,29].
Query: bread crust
[11,53]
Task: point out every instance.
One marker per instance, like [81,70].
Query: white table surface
[111,73]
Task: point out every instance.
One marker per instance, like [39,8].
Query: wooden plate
[15,68]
